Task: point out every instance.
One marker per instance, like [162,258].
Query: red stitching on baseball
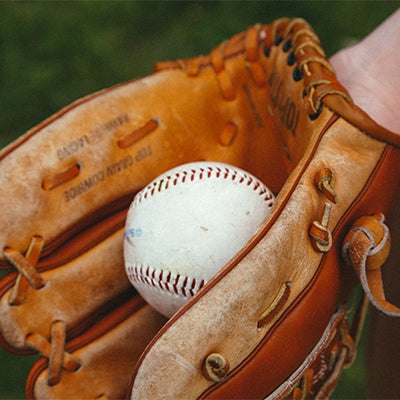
[185,280]
[186,286]
[201,173]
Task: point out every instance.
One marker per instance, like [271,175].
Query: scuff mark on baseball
[186,225]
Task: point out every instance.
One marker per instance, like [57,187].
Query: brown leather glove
[273,322]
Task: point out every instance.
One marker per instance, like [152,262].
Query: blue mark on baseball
[133,232]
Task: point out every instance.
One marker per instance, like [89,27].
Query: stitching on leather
[322,371]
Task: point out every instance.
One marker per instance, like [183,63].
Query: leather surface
[310,377]
[67,289]
[107,353]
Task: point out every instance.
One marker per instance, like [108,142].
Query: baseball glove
[272,323]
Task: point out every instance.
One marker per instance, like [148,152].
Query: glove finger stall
[73,292]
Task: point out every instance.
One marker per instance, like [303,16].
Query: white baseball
[186,225]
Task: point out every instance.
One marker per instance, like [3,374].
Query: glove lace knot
[54,350]
[366,248]
[26,266]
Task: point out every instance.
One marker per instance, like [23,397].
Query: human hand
[369,70]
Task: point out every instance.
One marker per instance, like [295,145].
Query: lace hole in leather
[287,46]
[297,74]
[313,117]
[291,59]
[278,40]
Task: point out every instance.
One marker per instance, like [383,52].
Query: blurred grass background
[53,53]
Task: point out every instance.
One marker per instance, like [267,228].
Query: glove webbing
[296,35]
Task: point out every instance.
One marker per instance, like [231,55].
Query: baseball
[186,225]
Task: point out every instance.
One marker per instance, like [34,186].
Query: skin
[370,70]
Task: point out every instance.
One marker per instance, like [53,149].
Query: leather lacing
[217,60]
[275,307]
[338,352]
[296,35]
[62,176]
[308,52]
[28,275]
[366,248]
[73,170]
[138,133]
[54,350]
[319,232]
